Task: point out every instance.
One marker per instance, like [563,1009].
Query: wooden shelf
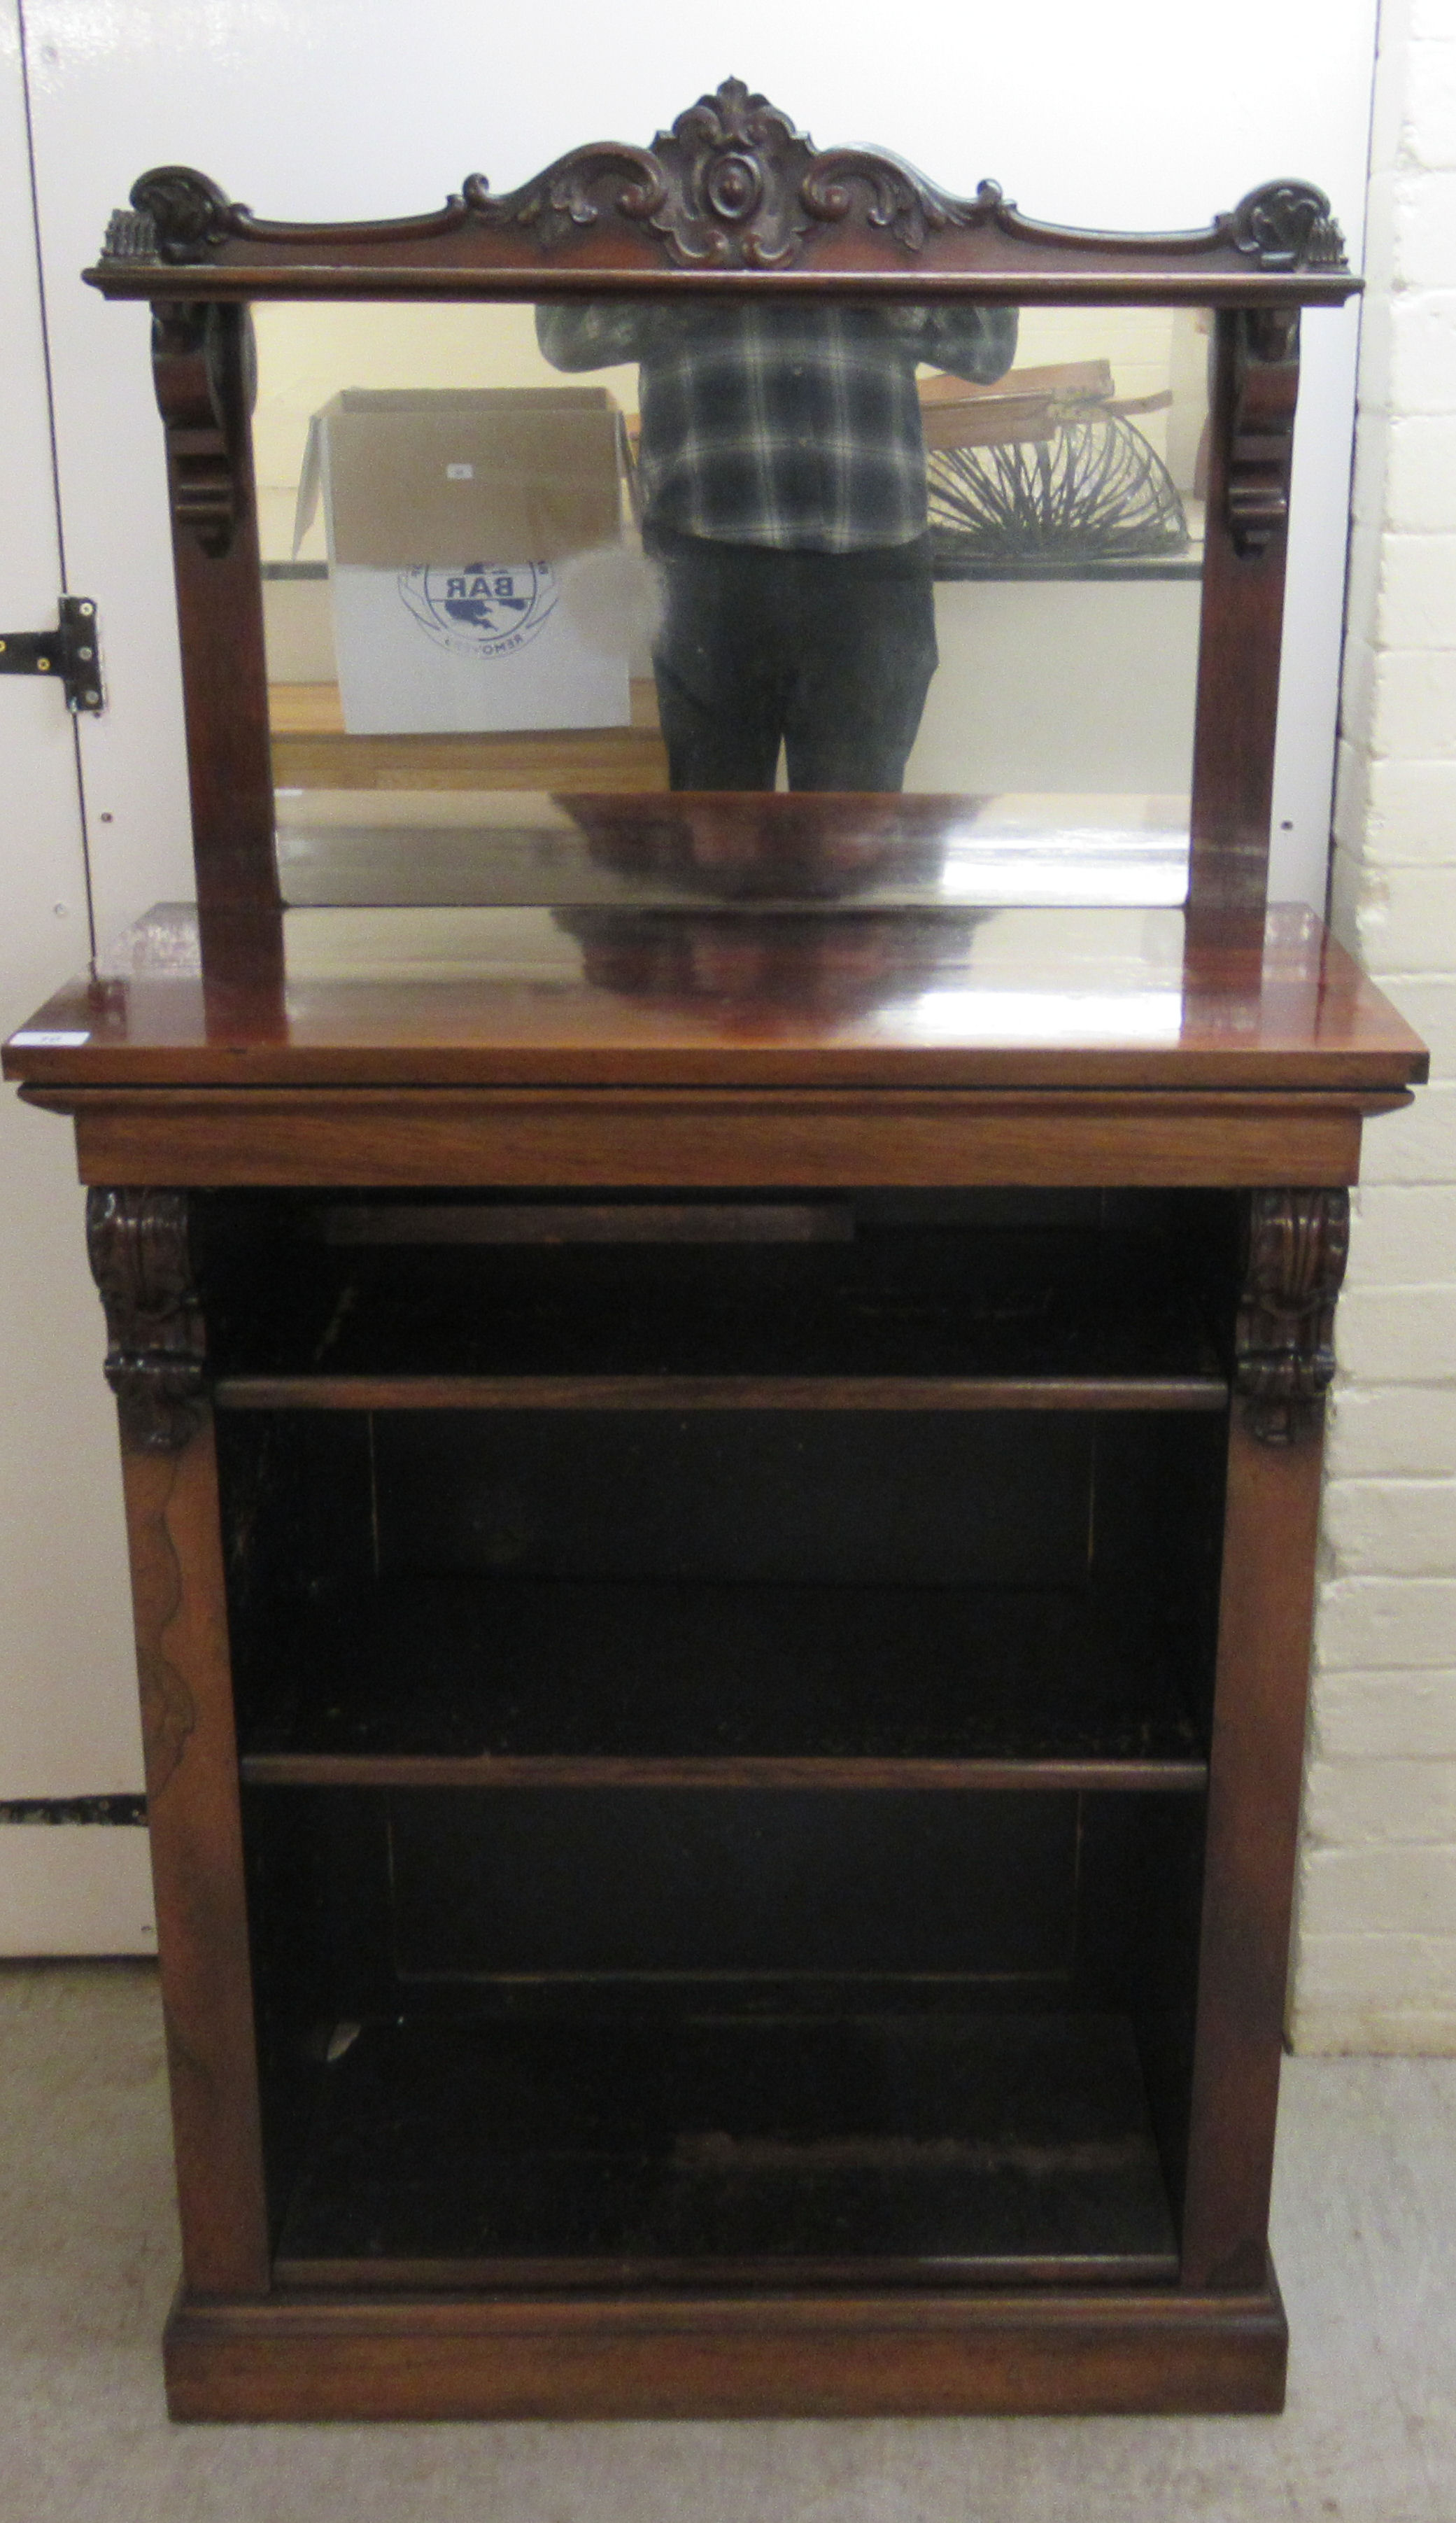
[967,2150]
[476,1681]
[745,1770]
[323,1392]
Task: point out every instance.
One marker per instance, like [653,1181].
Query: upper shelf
[731,197]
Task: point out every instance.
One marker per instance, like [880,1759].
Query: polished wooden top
[592,996]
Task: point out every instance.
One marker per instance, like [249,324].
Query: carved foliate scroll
[732,186]
[1261,442]
[1287,227]
[176,214]
[1285,1341]
[137,1242]
[203,366]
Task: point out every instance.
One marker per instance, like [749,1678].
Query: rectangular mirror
[964,596]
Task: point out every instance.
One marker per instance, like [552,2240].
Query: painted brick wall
[1376,1952]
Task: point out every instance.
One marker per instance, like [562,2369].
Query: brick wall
[1376,1950]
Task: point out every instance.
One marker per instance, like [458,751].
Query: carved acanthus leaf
[895,197]
[572,194]
[137,1242]
[1285,1341]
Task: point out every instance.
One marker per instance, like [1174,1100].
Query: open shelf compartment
[703,1841]
[871,2149]
[481,1679]
[722,1593]
[953,1289]
[531,2038]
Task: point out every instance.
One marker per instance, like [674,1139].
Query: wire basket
[1091,489]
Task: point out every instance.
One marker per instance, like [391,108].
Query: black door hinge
[71,653]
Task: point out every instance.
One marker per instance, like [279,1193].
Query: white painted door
[1126,115]
[68,1702]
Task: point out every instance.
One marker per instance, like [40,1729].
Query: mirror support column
[1255,387]
[203,364]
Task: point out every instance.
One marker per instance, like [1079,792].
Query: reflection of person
[783,474]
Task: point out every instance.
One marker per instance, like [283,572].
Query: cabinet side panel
[197,1860]
[1265,1618]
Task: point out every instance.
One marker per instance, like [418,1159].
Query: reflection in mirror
[517,561]
[963,978]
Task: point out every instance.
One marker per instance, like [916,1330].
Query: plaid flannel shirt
[795,426]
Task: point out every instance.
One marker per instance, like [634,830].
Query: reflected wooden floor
[312,750]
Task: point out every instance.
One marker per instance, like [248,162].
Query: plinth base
[901,2355]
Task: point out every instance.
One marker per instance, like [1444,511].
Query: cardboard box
[449,517]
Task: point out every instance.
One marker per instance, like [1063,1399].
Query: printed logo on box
[483,608]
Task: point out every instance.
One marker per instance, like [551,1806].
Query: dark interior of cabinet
[643,2035]
[1054,1283]
[760,1998]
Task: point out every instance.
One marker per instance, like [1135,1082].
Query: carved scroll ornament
[1285,1341]
[205,369]
[137,1242]
[731,186]
[1287,227]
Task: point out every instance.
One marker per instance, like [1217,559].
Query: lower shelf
[945,2151]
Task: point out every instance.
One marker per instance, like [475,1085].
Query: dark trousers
[829,653]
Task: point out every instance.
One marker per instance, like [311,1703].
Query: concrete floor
[1365,2235]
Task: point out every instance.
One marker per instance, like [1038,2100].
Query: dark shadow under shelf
[936,1303]
[499,1681]
[960,2150]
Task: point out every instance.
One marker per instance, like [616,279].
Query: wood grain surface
[909,2354]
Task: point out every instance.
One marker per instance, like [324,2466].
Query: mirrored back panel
[935,565]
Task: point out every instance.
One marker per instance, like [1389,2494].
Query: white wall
[1376,1943]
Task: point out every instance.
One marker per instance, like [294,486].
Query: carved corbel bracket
[137,1243]
[1284,1340]
[1261,441]
[203,366]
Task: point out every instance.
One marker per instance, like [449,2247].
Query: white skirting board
[75,1889]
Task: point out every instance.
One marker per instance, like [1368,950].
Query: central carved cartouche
[734,188]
